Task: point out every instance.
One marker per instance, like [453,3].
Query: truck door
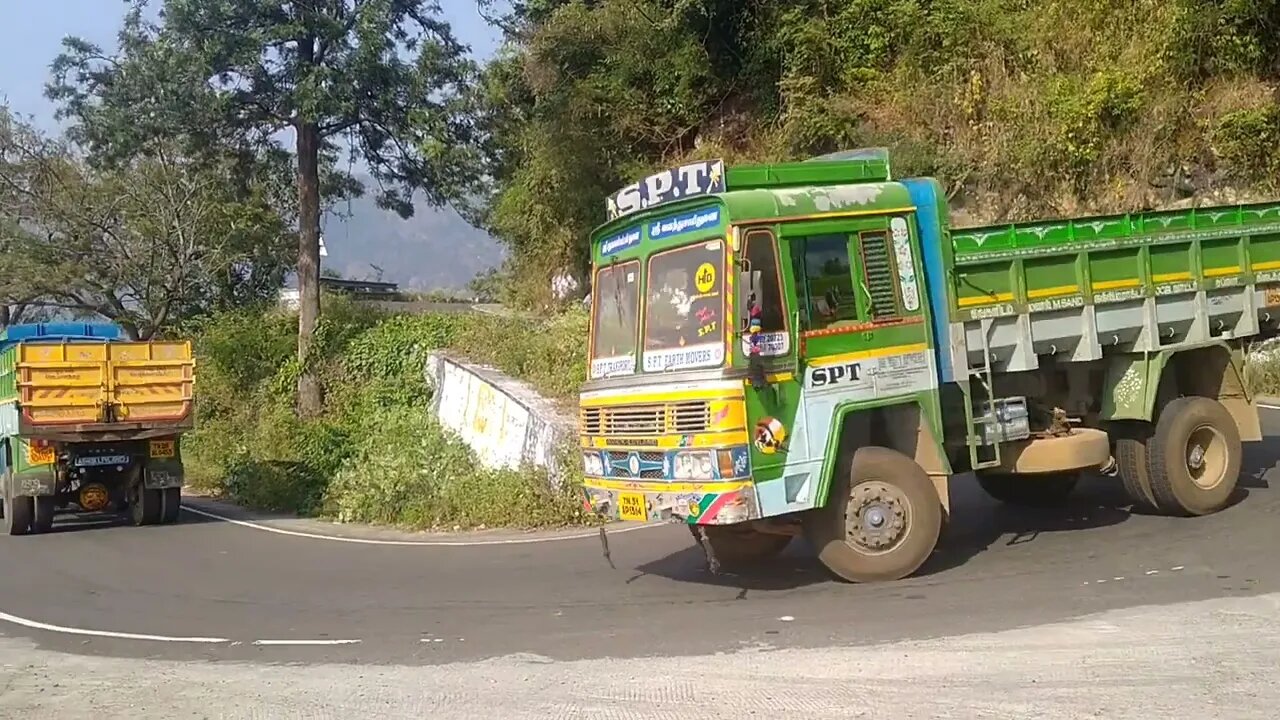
[857,332]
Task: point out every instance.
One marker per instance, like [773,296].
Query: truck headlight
[693,466]
[592,465]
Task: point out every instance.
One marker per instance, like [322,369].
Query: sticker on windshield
[608,367]
[706,278]
[694,356]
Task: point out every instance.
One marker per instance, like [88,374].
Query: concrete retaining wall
[506,422]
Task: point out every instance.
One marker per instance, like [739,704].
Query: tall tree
[386,76]
[147,244]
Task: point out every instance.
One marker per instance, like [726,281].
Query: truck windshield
[684,323]
[616,294]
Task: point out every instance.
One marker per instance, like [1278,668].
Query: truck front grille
[657,419]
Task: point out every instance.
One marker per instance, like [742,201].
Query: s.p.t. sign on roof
[699,178]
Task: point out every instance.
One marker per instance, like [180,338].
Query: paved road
[215,591]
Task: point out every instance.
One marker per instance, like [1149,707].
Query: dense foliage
[375,454]
[1022,108]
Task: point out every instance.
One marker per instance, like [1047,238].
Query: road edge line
[410,543]
[64,630]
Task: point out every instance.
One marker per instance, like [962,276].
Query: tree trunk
[310,400]
[5,317]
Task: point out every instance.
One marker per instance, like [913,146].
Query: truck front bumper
[709,503]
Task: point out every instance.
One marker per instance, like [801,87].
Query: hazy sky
[31,33]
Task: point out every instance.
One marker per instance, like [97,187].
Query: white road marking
[305,642]
[37,625]
[423,543]
[1269,407]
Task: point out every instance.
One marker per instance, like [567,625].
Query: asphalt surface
[211,590]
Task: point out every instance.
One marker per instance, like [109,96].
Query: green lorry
[811,348]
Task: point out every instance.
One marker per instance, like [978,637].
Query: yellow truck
[91,421]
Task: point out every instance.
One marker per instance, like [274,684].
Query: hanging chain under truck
[811,348]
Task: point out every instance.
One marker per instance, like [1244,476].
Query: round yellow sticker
[706,277]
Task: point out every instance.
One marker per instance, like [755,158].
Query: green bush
[375,455]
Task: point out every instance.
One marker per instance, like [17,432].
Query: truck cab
[738,314]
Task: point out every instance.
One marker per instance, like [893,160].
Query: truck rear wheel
[1194,457]
[144,508]
[171,503]
[18,512]
[1131,461]
[738,546]
[881,522]
[1039,490]
[43,508]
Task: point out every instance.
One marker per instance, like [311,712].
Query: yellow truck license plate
[631,507]
[161,448]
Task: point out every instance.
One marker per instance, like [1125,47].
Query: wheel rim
[876,518]
[1206,457]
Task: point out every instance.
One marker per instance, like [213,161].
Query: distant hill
[435,249]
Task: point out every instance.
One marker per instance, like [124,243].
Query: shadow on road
[978,523]
[75,522]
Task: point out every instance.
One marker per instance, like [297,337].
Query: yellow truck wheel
[17,514]
[881,522]
[43,508]
[144,506]
[171,504]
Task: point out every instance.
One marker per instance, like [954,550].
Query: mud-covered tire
[1041,490]
[144,507]
[171,505]
[18,512]
[881,521]
[739,546]
[43,507]
[1131,462]
[1183,484]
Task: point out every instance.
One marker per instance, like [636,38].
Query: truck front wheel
[1039,490]
[881,522]
[1194,457]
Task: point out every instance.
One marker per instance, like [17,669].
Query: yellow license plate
[161,448]
[631,506]
[40,455]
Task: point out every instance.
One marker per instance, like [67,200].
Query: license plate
[99,460]
[161,448]
[631,506]
[40,455]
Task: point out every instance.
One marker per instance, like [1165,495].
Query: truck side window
[762,252]
[829,293]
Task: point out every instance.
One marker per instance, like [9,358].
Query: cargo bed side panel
[151,381]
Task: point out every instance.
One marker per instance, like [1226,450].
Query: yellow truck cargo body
[76,384]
